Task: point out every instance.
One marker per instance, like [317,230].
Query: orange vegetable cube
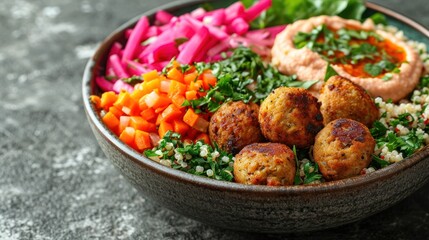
[127,136]
[124,99]
[96,100]
[165,86]
[156,100]
[107,99]
[124,122]
[170,113]
[148,114]
[150,75]
[142,140]
[204,137]
[148,87]
[111,121]
[190,77]
[196,85]
[164,127]
[117,112]
[175,74]
[178,100]
[195,121]
[176,88]
[139,123]
[209,80]
[180,127]
[191,95]
[137,94]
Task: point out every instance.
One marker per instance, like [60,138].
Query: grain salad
[403,128]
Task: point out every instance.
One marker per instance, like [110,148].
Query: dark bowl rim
[217,185]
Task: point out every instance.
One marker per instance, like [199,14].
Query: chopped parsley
[133,80]
[306,171]
[242,77]
[195,158]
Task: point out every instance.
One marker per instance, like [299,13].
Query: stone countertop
[55,182]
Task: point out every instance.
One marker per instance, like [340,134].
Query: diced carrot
[178,100]
[176,88]
[142,103]
[191,95]
[117,112]
[133,109]
[204,137]
[139,123]
[148,114]
[124,122]
[191,134]
[180,127]
[165,86]
[160,109]
[170,113]
[107,99]
[156,100]
[111,121]
[151,85]
[96,100]
[128,135]
[195,121]
[201,94]
[142,140]
[175,74]
[158,119]
[209,80]
[164,127]
[137,94]
[150,75]
[175,64]
[195,85]
[190,77]
[124,99]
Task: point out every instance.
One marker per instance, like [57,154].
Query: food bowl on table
[256,208]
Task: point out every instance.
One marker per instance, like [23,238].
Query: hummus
[310,65]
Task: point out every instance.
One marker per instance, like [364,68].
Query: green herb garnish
[306,171]
[330,72]
[133,80]
[288,11]
[195,158]
[242,77]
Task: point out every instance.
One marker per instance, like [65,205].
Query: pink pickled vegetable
[135,39]
[197,36]
[121,85]
[235,10]
[136,68]
[104,84]
[117,66]
[163,17]
[187,55]
[254,11]
[239,26]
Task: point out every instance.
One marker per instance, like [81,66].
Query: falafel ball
[290,116]
[343,148]
[271,164]
[342,98]
[235,125]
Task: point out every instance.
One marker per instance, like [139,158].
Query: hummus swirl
[309,65]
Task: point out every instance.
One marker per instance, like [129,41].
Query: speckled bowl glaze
[257,208]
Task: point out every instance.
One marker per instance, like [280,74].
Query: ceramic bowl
[257,208]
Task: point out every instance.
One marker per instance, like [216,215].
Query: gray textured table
[55,183]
